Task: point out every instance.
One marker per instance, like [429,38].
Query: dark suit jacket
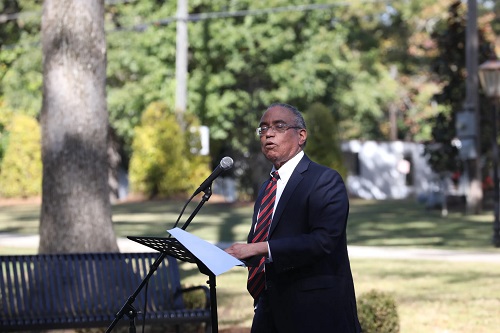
[309,281]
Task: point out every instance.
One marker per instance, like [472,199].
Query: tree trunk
[76,210]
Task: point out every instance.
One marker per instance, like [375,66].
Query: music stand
[210,259]
[186,248]
[172,247]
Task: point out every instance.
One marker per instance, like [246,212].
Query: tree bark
[76,210]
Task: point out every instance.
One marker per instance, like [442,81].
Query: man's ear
[302,137]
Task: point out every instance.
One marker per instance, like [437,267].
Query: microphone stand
[206,196]
[211,277]
[128,308]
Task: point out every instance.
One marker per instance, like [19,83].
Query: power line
[241,13]
[254,12]
[208,16]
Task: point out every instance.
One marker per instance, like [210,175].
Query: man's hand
[243,251]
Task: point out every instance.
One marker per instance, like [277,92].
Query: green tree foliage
[141,62]
[21,56]
[377,312]
[442,156]
[299,57]
[361,59]
[162,163]
[9,34]
[23,81]
[5,119]
[323,144]
[21,167]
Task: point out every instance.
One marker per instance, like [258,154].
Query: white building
[387,170]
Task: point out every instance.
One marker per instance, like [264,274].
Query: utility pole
[181,65]
[393,111]
[468,119]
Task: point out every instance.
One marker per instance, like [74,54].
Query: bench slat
[87,290]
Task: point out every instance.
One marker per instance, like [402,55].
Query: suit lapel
[294,180]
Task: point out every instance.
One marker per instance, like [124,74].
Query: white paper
[217,260]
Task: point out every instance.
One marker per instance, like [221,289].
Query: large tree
[76,210]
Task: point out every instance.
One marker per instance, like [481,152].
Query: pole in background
[181,65]
[489,75]
[467,122]
[496,221]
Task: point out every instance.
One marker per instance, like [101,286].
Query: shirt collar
[286,169]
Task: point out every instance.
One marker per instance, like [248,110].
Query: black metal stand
[172,247]
[206,196]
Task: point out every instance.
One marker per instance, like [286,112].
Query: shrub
[21,166]
[323,143]
[5,119]
[194,299]
[377,313]
[161,162]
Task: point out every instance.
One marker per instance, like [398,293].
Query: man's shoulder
[314,166]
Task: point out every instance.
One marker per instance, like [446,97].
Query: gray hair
[299,119]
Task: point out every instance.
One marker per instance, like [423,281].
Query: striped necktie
[256,275]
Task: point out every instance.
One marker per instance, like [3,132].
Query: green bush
[194,299]
[161,162]
[21,166]
[378,313]
[5,119]
[323,143]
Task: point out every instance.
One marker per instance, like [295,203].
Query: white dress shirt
[285,173]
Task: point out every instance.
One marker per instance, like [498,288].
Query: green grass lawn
[432,296]
[372,223]
[407,223]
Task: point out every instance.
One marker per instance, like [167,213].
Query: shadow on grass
[217,222]
[407,223]
[371,223]
[20,219]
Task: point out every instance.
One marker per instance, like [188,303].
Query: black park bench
[64,291]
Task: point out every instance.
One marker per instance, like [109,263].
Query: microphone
[225,164]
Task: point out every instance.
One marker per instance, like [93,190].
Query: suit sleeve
[314,222]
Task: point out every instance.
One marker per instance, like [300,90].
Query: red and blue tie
[256,275]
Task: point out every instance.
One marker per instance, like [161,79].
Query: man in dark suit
[301,277]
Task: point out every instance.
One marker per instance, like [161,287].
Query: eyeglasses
[277,128]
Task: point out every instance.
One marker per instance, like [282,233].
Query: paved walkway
[424,254]
[126,245]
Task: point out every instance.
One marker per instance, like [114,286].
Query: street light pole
[489,75]
[496,222]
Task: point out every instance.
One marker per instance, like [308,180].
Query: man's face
[280,147]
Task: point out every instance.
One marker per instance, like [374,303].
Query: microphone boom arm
[205,198]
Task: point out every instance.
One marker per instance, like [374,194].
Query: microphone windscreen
[226,163]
